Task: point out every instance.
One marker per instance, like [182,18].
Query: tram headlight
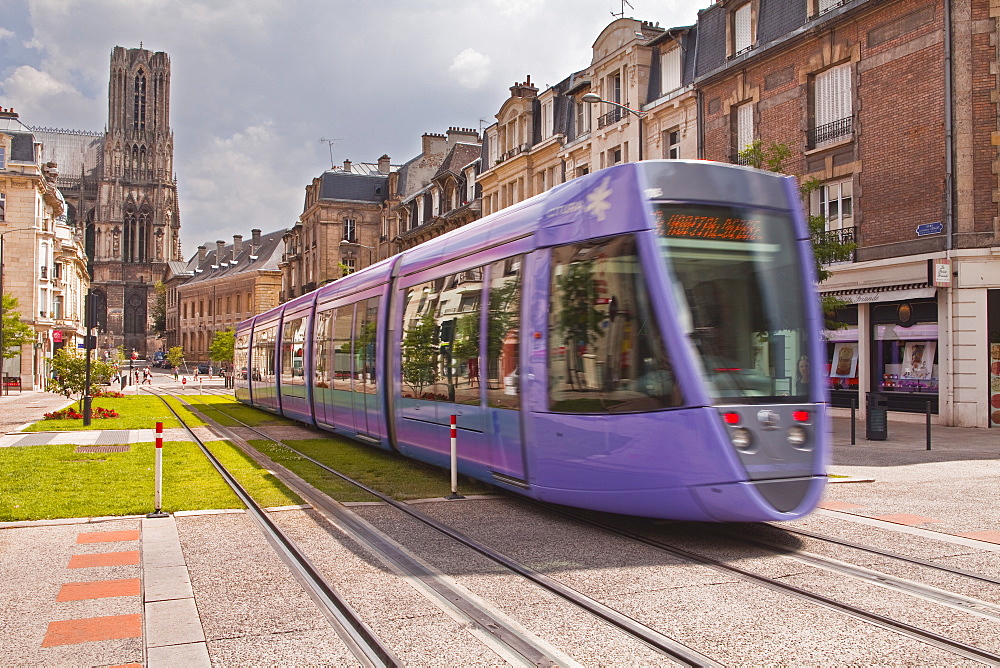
[742,438]
[798,437]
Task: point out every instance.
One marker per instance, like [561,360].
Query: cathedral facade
[121,188]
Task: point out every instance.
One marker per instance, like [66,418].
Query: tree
[578,321]
[175,356]
[69,366]
[222,347]
[15,332]
[159,308]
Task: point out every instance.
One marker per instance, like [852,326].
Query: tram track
[930,594]
[504,637]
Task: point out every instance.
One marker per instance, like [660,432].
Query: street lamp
[594,98]
[3,349]
[371,249]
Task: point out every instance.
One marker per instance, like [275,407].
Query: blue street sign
[929,228]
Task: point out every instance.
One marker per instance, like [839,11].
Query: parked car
[203,368]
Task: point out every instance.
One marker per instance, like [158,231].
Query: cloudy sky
[256,84]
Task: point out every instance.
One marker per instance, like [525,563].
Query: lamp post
[594,98]
[3,348]
[371,249]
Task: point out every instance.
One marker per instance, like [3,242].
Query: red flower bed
[72,414]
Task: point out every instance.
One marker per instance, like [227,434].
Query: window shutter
[833,95]
[741,23]
[670,68]
[744,126]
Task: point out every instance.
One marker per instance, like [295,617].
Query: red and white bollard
[158,500]
[454,460]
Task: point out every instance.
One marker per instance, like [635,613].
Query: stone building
[120,187]
[42,262]
[221,286]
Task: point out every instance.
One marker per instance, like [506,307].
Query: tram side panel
[295,346]
[263,359]
[241,360]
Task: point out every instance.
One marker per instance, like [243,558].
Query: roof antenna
[622,14]
[330,142]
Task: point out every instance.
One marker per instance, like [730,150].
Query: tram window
[323,355]
[263,354]
[503,327]
[341,345]
[365,336]
[441,338]
[293,344]
[241,351]
[606,354]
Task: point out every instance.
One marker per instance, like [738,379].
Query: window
[349,267]
[503,334]
[835,203]
[615,155]
[742,30]
[350,229]
[3,157]
[238,309]
[546,119]
[583,118]
[670,70]
[293,343]
[826,5]
[613,87]
[606,354]
[832,108]
[672,144]
[139,102]
[440,346]
[3,206]
[743,128]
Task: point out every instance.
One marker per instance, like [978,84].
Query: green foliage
[420,353]
[222,347]
[466,343]
[502,316]
[771,158]
[15,332]
[69,367]
[579,321]
[175,356]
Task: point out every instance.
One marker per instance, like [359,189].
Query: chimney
[383,164]
[465,135]
[432,143]
[237,245]
[255,240]
[201,254]
[524,89]
[219,245]
[347,166]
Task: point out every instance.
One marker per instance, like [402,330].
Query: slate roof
[355,187]
[778,18]
[711,44]
[267,255]
[458,158]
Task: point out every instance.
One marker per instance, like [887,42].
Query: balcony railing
[831,131]
[842,237]
[607,119]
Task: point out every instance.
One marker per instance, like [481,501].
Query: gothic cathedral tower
[135,229]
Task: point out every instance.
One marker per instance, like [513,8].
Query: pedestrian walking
[196,373]
[147,376]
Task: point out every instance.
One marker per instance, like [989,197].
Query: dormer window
[742,28]
[670,70]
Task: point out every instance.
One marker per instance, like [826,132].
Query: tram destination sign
[710,227]
[929,228]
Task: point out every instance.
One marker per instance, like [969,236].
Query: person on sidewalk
[147,376]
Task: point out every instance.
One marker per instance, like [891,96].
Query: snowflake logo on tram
[597,201]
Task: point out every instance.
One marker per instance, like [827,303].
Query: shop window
[904,354]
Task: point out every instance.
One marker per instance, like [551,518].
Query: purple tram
[643,340]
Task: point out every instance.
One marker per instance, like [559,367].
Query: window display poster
[918,359]
[995,384]
[845,360]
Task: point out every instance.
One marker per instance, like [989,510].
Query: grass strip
[53,481]
[141,412]
[393,475]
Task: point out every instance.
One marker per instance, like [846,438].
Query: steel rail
[929,637]
[359,638]
[643,633]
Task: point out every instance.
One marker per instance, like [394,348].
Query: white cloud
[517,7]
[37,93]
[5,34]
[471,68]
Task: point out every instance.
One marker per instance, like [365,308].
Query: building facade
[42,261]
[221,286]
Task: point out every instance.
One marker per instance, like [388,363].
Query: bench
[11,381]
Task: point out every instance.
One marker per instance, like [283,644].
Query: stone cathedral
[121,186]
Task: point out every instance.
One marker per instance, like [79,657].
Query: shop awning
[884,293]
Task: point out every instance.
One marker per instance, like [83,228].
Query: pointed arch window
[139,102]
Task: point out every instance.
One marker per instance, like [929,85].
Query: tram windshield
[736,277]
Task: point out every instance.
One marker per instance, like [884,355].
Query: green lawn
[53,481]
[139,412]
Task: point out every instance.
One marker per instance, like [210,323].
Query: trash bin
[876,416]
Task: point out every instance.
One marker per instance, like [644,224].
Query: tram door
[502,371]
[365,391]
